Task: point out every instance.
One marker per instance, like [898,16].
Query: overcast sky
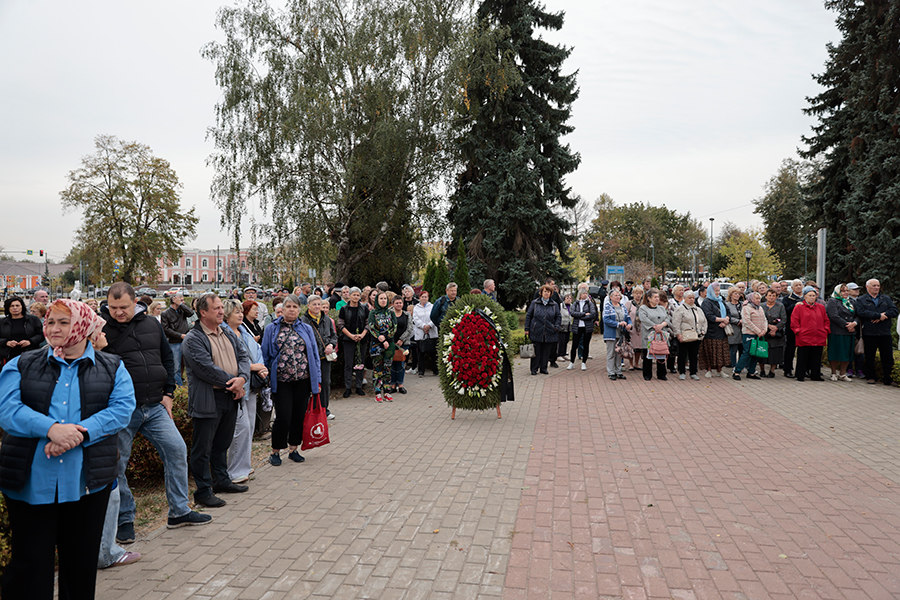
[692,104]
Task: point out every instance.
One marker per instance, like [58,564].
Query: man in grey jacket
[218,366]
[174,322]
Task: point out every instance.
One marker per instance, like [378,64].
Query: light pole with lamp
[709,262]
[748,255]
[653,264]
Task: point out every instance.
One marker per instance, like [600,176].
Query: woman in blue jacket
[291,355]
[615,322]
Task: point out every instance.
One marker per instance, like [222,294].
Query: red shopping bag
[315,425]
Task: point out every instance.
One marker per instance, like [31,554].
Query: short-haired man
[42,296]
[141,343]
[218,366]
[440,308]
[876,310]
[490,289]
[250,293]
[383,286]
[648,282]
[174,322]
[305,291]
[345,298]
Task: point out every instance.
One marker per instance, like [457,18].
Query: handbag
[526,351]
[759,348]
[690,335]
[623,347]
[257,382]
[658,346]
[315,425]
[729,330]
[860,348]
[399,356]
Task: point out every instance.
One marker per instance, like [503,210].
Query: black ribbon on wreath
[507,389]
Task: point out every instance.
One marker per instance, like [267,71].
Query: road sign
[312,273]
[29,252]
[615,272]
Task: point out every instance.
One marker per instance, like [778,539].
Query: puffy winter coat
[810,324]
[542,321]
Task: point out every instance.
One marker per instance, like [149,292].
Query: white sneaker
[681,377]
[331,416]
[583,367]
[570,367]
[695,377]
[724,374]
[709,373]
[834,377]
[845,378]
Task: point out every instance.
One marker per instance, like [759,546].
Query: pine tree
[461,272]
[515,109]
[441,278]
[857,192]
[428,279]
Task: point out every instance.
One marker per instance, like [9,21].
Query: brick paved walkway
[585,489]
[682,489]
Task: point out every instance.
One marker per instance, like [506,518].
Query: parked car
[146,290]
[172,291]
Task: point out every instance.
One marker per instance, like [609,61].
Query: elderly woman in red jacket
[811,326]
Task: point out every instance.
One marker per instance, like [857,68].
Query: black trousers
[38,531]
[789,347]
[809,358]
[884,345]
[212,438]
[412,361]
[660,368]
[427,354]
[688,351]
[349,353]
[291,401]
[581,343]
[541,355]
[326,382]
[674,353]
[563,346]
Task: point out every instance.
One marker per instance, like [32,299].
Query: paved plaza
[586,488]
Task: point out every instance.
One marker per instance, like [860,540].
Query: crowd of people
[103,372]
[742,331]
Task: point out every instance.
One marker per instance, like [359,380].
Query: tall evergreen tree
[428,279]
[857,193]
[461,272]
[516,105]
[441,278]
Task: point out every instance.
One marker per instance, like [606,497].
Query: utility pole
[709,263]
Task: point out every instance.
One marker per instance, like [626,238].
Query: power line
[726,210]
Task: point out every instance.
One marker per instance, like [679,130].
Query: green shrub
[145,468]
[512,319]
[516,339]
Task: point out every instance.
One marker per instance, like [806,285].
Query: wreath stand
[453,413]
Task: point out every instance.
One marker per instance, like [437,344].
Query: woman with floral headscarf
[61,409]
[714,353]
[842,338]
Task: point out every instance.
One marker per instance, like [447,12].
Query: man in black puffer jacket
[141,343]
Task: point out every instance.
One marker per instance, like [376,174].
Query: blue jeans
[110,551]
[746,360]
[154,423]
[398,372]
[176,350]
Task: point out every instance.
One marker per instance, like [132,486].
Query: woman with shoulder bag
[401,338]
[637,298]
[352,320]
[842,337]
[584,314]
[239,453]
[425,333]
[776,319]
[654,331]
[615,322]
[541,325]
[753,322]
[565,327]
[734,298]
[714,346]
[689,325]
[326,338]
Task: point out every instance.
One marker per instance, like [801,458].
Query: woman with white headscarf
[754,325]
[714,353]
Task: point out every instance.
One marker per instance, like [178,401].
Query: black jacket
[34,332]
[96,381]
[174,322]
[868,310]
[542,321]
[145,352]
[323,331]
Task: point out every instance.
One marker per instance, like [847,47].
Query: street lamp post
[653,264]
[709,262]
[748,255]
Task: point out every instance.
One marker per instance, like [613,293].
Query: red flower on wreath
[474,355]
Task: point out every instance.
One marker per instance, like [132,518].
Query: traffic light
[42,252]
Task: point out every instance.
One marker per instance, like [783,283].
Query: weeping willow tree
[334,119]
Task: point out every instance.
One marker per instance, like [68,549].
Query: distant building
[208,267]
[27,275]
